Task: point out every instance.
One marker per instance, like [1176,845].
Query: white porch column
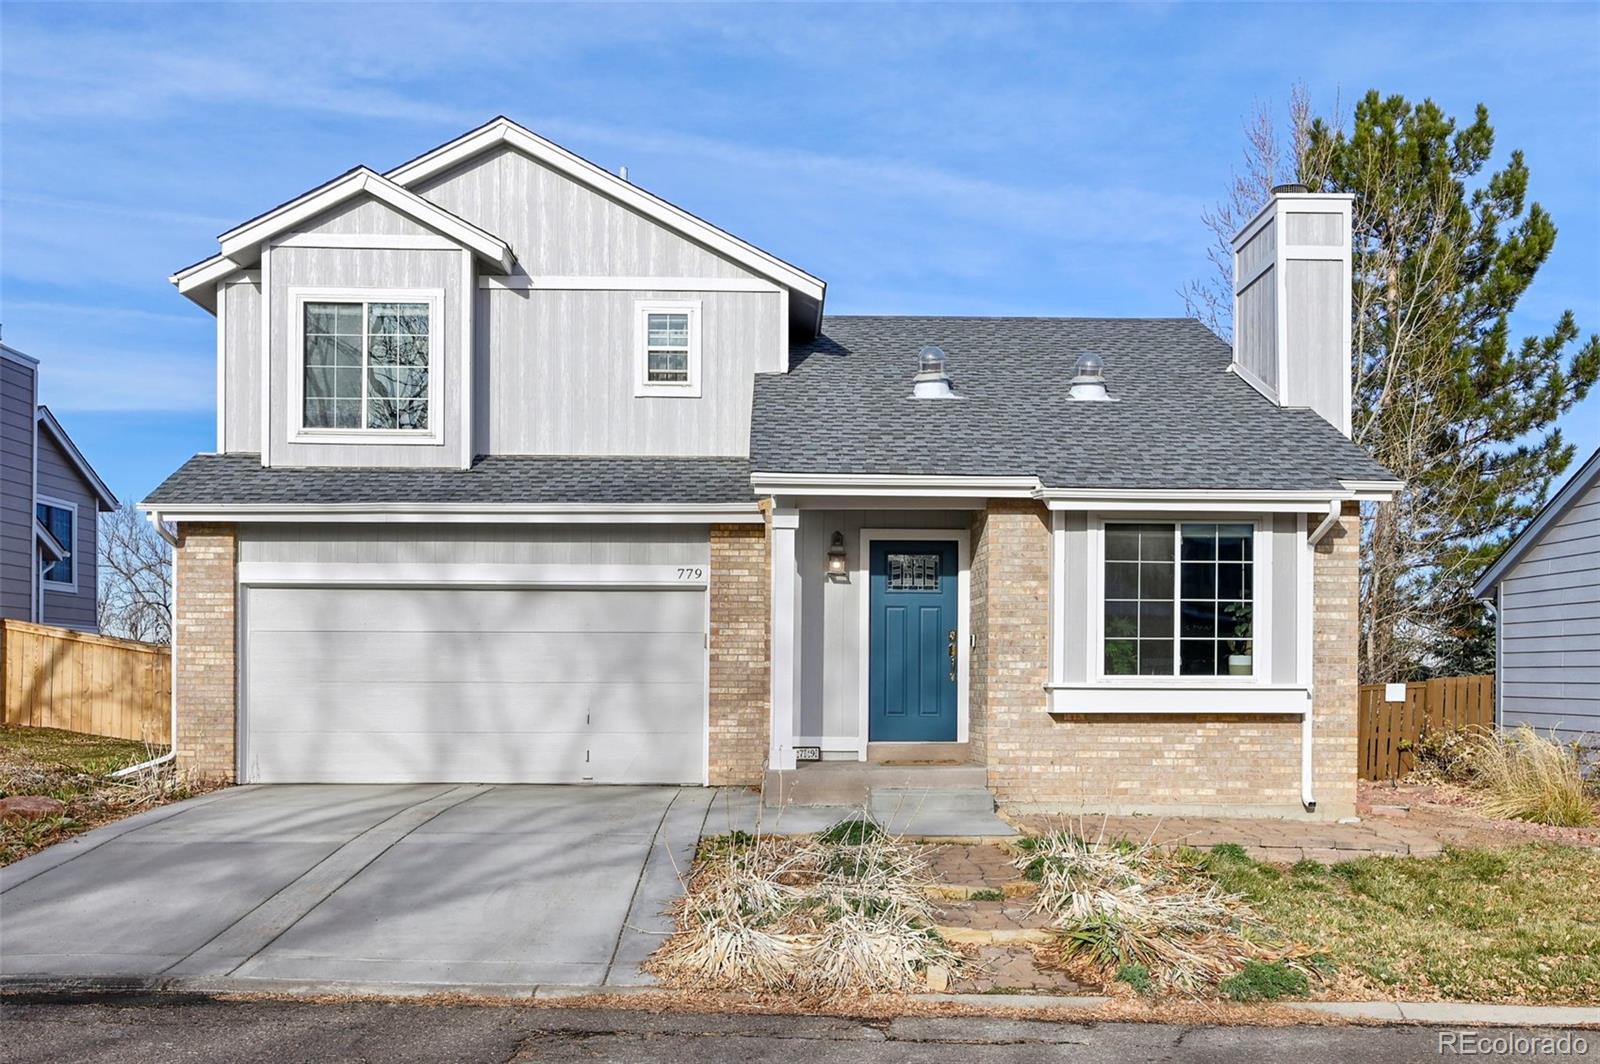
[785,637]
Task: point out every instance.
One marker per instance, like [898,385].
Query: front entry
[913,642]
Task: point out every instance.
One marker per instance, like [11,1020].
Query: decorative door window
[913,572]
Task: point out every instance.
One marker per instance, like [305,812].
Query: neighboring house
[50,502]
[1545,589]
[525,474]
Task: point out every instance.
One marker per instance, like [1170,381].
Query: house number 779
[691,573]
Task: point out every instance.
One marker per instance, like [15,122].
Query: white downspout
[172,662]
[1308,796]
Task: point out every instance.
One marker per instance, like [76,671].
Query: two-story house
[524,474]
[50,502]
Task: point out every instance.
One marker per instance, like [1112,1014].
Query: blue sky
[937,159]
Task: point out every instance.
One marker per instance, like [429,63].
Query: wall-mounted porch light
[838,562]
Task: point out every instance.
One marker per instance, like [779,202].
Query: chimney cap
[1293,186]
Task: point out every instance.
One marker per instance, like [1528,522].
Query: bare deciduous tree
[135,578]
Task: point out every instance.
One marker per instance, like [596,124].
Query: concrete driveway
[437,884]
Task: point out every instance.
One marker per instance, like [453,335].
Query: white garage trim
[311,574]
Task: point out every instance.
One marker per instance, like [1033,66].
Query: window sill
[1111,698]
[367,436]
[59,588]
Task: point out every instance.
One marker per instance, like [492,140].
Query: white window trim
[433,435]
[862,576]
[62,586]
[642,385]
[1098,693]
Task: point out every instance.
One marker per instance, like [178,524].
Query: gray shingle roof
[1181,421]
[240,480]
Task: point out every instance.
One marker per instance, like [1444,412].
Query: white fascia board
[1372,490]
[199,282]
[504,131]
[1075,499]
[853,484]
[108,498]
[6,351]
[447,513]
[241,242]
[1570,492]
[1106,698]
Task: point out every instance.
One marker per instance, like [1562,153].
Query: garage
[351,684]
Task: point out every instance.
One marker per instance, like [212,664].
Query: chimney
[1291,302]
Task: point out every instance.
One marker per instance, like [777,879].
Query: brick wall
[1335,651]
[1144,763]
[206,558]
[741,629]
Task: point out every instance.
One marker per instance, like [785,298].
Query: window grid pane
[366,365]
[57,520]
[667,348]
[1179,599]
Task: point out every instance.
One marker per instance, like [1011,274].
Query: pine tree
[1444,397]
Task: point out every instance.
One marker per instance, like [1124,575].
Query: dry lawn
[74,768]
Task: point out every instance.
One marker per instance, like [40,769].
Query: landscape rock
[30,807]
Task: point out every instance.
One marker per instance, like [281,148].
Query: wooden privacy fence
[1388,729]
[58,678]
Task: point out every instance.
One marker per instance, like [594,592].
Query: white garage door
[390,685]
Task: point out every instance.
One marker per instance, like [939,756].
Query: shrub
[1523,776]
[1447,756]
[1265,981]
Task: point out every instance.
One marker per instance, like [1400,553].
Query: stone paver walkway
[1406,821]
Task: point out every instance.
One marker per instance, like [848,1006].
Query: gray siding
[296,267]
[241,313]
[561,228]
[1256,331]
[1321,230]
[830,611]
[17,404]
[1313,310]
[58,479]
[365,216]
[1550,627]
[557,373]
[488,544]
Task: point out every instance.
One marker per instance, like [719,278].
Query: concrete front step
[917,753]
[851,782]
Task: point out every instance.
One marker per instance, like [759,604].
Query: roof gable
[241,245]
[503,131]
[47,421]
[1587,476]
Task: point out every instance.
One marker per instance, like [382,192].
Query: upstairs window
[60,520]
[367,365]
[1179,599]
[668,338]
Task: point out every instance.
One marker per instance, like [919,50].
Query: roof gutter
[450,513]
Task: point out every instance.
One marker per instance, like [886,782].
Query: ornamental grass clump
[839,912]
[1523,776]
[1116,906]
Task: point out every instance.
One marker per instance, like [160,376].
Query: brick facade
[741,633]
[204,664]
[1145,763]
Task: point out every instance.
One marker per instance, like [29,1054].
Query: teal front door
[912,642]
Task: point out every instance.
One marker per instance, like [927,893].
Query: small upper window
[669,349]
[59,521]
[366,366]
[1179,599]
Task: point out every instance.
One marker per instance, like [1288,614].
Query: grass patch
[74,768]
[987,894]
[1265,981]
[1136,976]
[1506,925]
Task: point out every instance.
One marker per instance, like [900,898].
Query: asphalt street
[160,1028]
